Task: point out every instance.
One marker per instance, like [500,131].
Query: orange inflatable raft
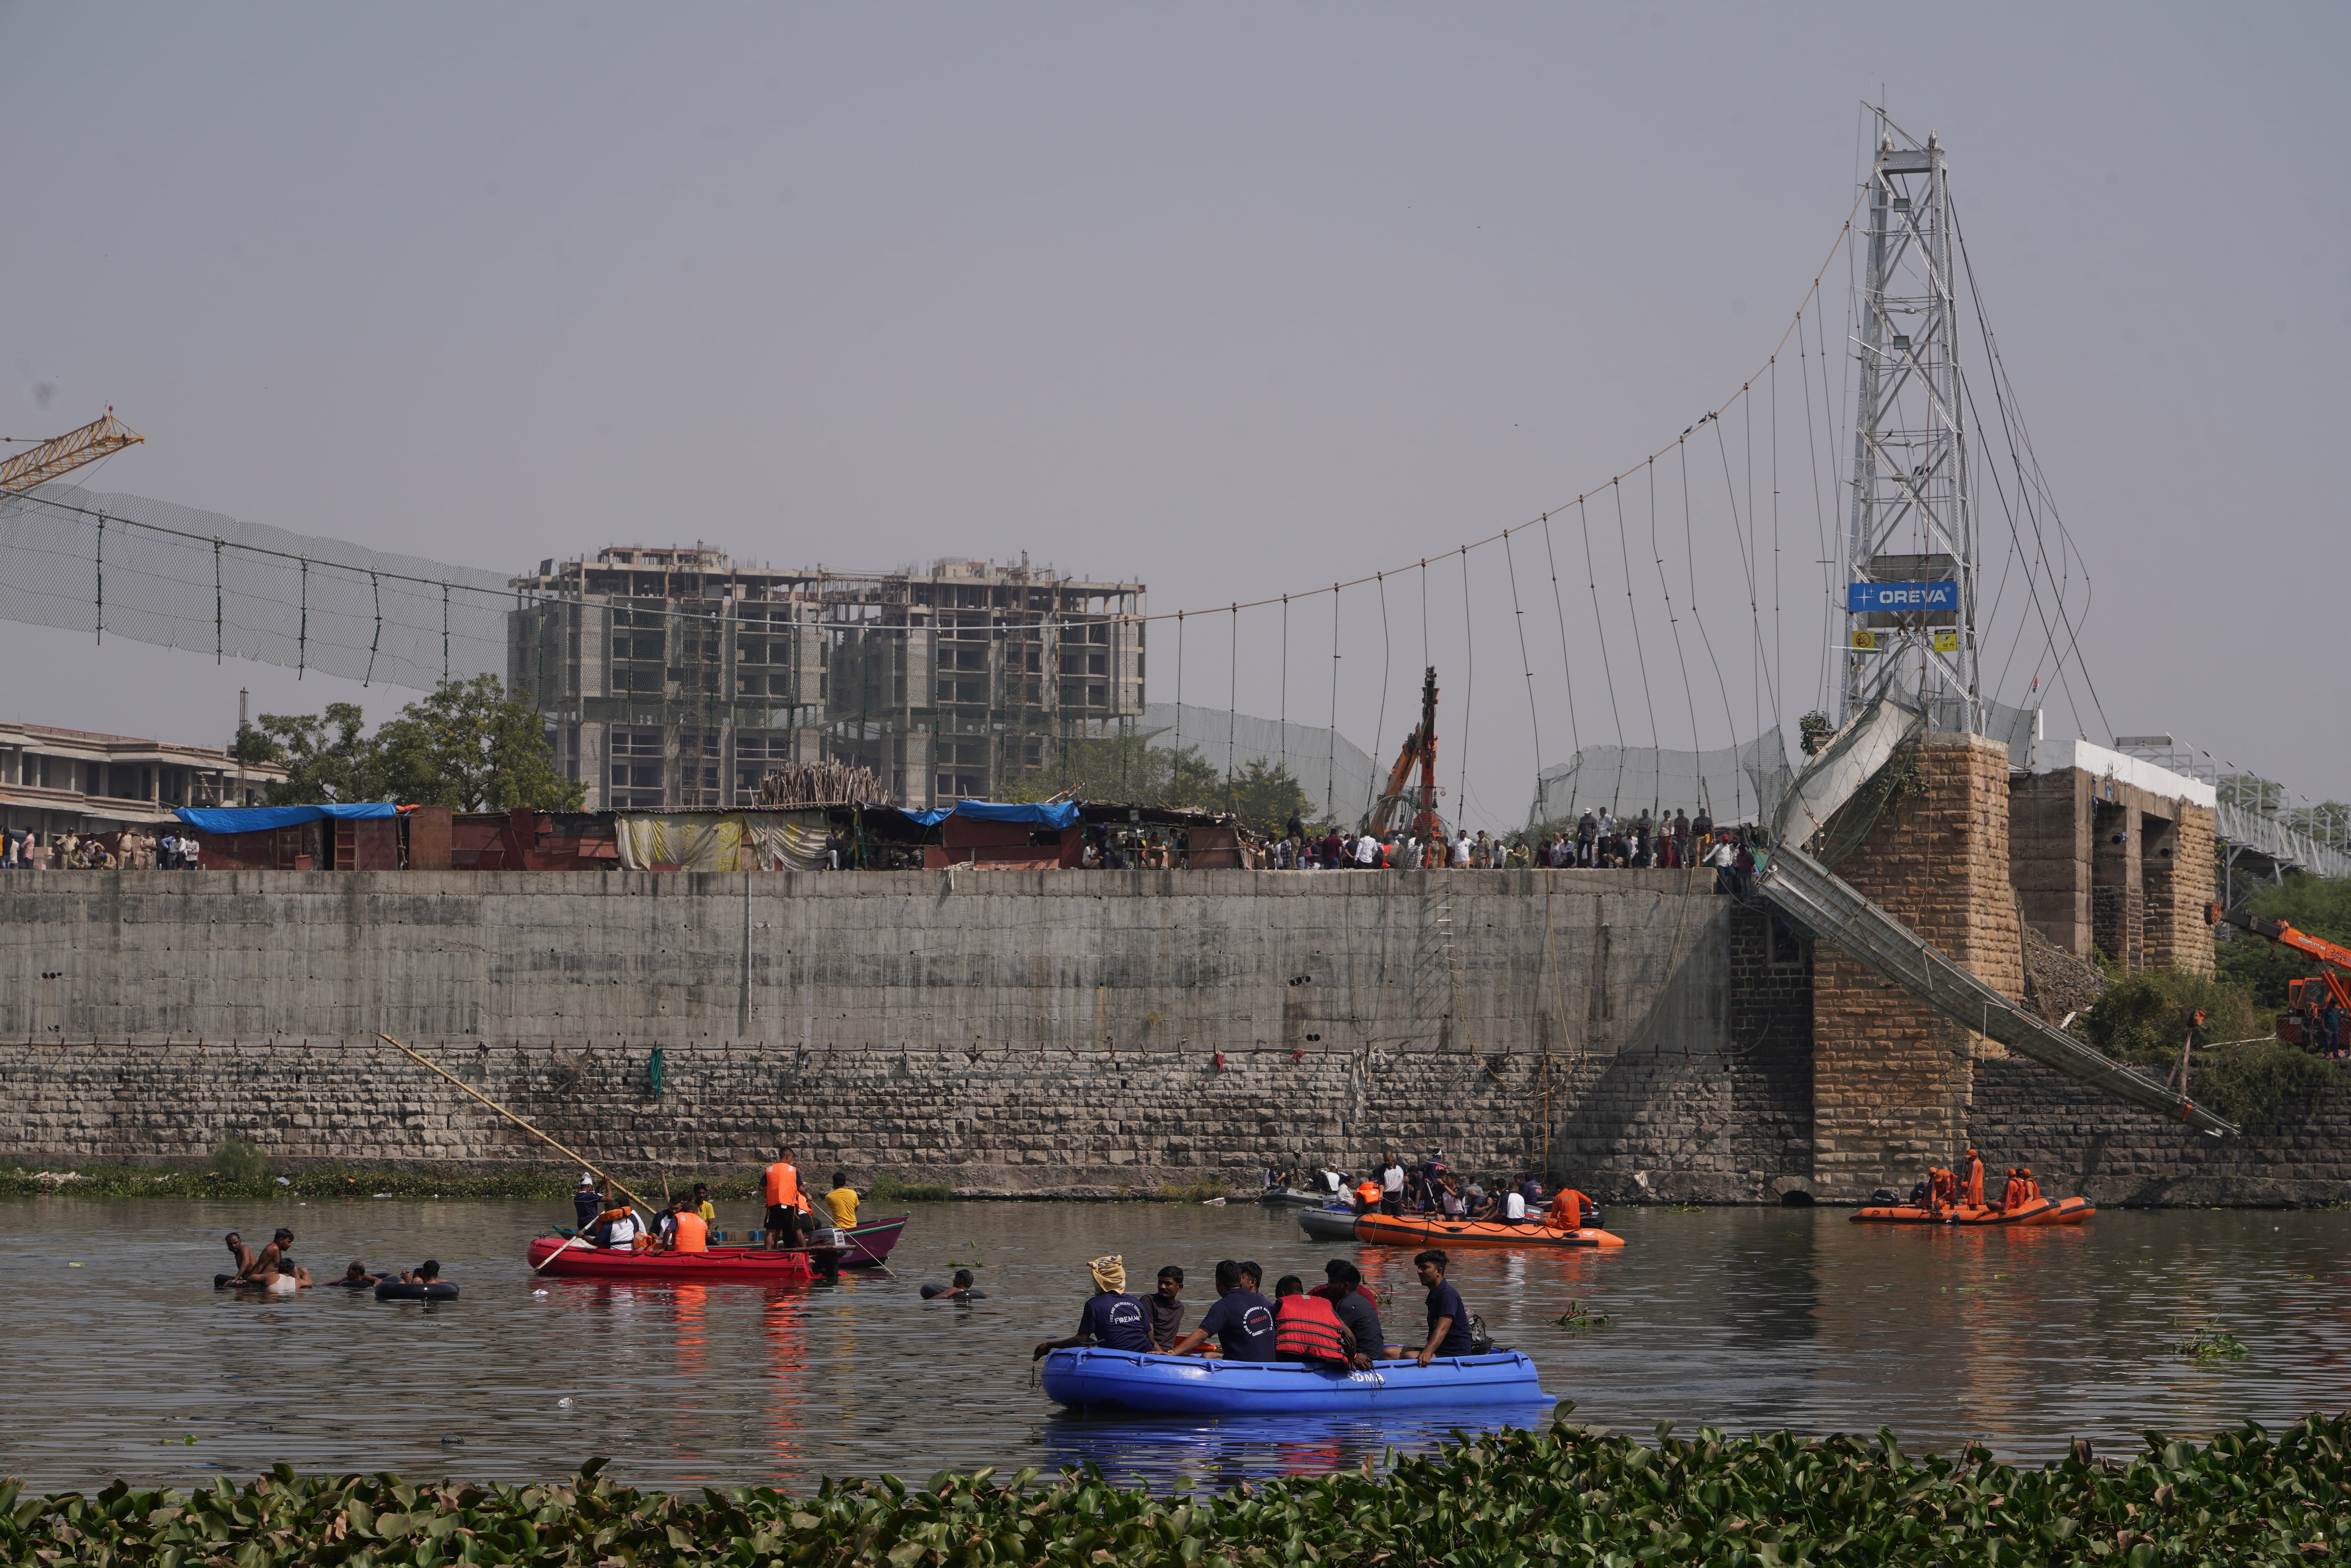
[1951,1198]
[1437,1230]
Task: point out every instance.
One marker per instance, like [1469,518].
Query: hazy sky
[1231,300]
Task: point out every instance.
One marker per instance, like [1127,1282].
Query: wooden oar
[518,1121]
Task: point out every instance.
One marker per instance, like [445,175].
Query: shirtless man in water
[273,1271]
[240,1253]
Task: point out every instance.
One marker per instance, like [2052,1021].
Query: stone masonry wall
[1006,1031]
[2178,885]
[2076,1140]
[1891,1077]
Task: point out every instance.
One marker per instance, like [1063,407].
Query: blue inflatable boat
[1196,1385]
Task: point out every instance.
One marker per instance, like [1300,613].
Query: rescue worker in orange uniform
[1568,1208]
[1307,1328]
[1971,1181]
[786,1206]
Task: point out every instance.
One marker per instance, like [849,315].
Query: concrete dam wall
[1006,1031]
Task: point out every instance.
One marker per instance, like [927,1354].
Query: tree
[327,760]
[472,745]
[476,746]
[1264,796]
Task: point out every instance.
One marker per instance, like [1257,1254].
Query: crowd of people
[23,849]
[683,1223]
[1335,1324]
[1429,1187]
[1598,840]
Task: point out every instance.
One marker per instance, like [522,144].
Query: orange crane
[2318,1007]
[54,458]
[1402,803]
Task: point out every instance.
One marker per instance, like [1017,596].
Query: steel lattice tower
[1910,545]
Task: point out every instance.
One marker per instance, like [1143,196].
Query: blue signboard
[1900,598]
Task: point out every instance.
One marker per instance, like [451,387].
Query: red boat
[745,1265]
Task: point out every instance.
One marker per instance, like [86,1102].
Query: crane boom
[2285,935]
[101,437]
[1400,803]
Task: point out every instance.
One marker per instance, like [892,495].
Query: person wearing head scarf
[1112,1319]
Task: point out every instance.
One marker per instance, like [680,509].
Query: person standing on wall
[785,1216]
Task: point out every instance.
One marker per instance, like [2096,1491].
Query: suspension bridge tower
[1910,544]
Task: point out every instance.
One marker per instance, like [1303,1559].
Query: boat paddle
[525,1126]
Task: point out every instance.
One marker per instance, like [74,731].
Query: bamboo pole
[518,1121]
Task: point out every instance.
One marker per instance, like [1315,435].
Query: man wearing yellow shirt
[842,1201]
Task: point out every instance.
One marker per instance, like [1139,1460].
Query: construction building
[69,780]
[674,678]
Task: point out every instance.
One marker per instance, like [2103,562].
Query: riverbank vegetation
[1567,1495]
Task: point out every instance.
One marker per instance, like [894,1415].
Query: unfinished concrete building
[2110,851]
[674,678]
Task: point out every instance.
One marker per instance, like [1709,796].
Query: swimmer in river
[357,1278]
[274,1271]
[425,1273]
[241,1253]
[960,1290]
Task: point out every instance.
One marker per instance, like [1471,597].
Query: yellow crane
[56,458]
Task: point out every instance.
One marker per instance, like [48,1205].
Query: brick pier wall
[1006,1031]
[1890,1077]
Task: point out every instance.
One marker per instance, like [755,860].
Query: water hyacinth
[1513,1499]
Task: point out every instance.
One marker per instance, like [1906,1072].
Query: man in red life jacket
[1306,1329]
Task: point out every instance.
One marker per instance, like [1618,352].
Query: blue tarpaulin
[260,818]
[1056,814]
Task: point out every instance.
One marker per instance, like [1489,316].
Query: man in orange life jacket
[692,1233]
[786,1217]
[1306,1328]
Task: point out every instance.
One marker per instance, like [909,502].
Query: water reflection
[1737,1318]
[1190,1453]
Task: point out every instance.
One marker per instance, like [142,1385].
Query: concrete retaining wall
[1007,1031]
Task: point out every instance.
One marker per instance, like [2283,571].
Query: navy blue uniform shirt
[1242,1322]
[1114,1321]
[1444,1301]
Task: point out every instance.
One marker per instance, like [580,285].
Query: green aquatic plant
[1579,1316]
[2207,1342]
[238,1160]
[1565,1495]
[888,1188]
[1199,1189]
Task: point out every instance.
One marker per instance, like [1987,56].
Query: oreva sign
[1900,598]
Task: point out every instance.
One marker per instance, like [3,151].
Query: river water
[123,1361]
